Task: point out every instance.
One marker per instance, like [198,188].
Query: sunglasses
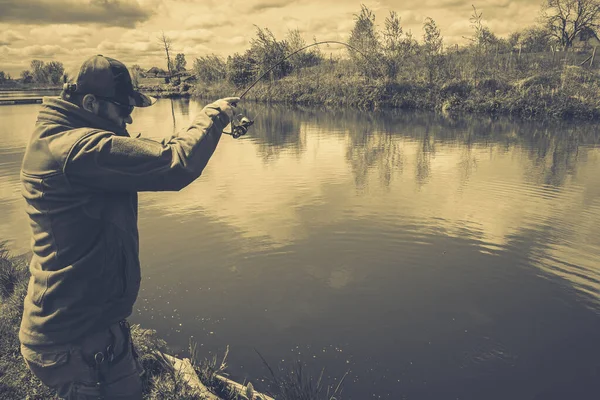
[124,110]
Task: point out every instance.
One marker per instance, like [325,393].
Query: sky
[70,31]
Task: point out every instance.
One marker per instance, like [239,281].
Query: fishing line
[240,124]
[294,53]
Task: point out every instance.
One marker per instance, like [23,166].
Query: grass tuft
[293,383]
[17,382]
[160,380]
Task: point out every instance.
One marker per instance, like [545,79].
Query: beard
[103,113]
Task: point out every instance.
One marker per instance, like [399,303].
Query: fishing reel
[239,126]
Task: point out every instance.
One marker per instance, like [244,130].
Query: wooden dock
[20,100]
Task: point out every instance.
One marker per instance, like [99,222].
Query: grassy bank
[17,382]
[161,381]
[166,90]
[570,93]
[157,87]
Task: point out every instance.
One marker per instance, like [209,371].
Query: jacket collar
[56,110]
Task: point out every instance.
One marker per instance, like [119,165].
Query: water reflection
[182,106]
[276,130]
[434,257]
[423,160]
[552,147]
[493,175]
[367,151]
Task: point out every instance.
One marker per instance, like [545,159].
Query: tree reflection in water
[377,140]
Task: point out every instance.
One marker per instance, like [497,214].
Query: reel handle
[240,128]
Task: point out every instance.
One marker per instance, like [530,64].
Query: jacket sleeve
[105,161]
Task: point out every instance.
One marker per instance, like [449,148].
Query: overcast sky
[71,30]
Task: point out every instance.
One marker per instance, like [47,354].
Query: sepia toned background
[71,30]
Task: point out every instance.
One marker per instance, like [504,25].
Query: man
[81,174]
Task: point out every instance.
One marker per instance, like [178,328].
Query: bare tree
[565,19]
[166,42]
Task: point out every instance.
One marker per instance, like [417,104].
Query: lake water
[431,258]
[29,93]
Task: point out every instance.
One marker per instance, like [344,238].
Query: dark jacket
[80,177]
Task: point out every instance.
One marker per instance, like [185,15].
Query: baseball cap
[107,77]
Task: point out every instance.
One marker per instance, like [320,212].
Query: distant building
[586,39]
[156,72]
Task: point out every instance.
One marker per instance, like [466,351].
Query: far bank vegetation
[549,69]
[546,70]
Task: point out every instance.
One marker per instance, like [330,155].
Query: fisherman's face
[108,109]
[117,114]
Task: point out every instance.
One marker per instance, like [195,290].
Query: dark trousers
[102,365]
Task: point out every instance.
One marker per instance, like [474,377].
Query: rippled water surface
[428,257]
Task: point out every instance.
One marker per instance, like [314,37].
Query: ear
[90,103]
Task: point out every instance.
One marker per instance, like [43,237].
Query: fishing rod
[240,123]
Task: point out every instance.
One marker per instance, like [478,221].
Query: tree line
[383,53]
[53,72]
[43,73]
[387,51]
[40,72]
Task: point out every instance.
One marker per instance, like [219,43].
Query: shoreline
[166,376]
[543,96]
[29,88]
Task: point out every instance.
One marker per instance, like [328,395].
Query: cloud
[129,47]
[62,30]
[63,33]
[35,51]
[72,30]
[138,35]
[262,5]
[8,37]
[205,21]
[445,4]
[327,29]
[411,18]
[235,40]
[124,13]
[133,45]
[191,51]
[190,37]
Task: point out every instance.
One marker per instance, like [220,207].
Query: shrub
[461,88]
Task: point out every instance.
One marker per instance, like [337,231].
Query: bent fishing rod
[240,123]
